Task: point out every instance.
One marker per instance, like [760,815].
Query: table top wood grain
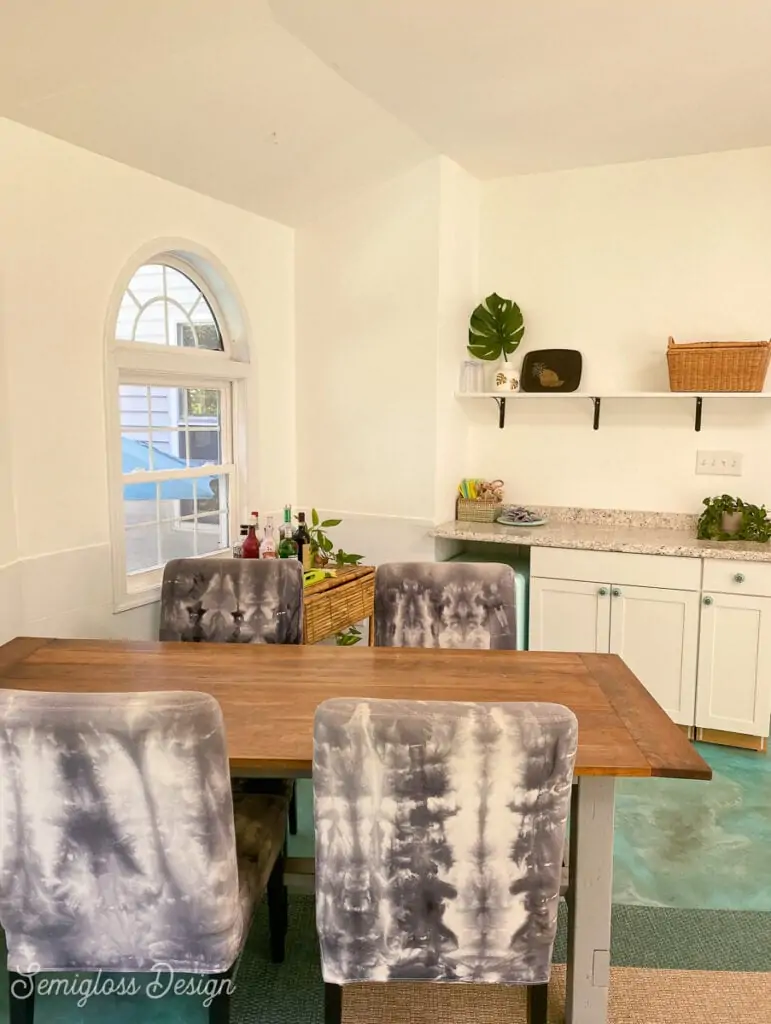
[268,694]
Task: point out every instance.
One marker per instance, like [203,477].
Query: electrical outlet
[719,463]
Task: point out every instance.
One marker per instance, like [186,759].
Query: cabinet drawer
[729,577]
[669,572]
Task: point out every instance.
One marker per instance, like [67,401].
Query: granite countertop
[641,533]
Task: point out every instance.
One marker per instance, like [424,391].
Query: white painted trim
[143,476]
[368,515]
[161,360]
[167,366]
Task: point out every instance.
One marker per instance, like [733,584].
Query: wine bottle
[303,540]
[287,547]
[251,546]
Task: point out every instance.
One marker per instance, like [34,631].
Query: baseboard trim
[732,739]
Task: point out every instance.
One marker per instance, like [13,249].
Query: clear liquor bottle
[268,546]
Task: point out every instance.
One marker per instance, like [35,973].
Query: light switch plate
[719,463]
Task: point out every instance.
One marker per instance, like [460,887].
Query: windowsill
[145,588]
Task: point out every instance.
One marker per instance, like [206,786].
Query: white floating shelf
[596,397]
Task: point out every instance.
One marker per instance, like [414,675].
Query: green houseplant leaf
[495,329]
[754,525]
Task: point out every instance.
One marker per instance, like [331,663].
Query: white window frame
[155,365]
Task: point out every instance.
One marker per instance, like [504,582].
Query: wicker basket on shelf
[718,365]
[483,510]
[332,605]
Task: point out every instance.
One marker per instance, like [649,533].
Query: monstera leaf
[495,329]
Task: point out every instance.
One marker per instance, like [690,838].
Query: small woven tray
[480,511]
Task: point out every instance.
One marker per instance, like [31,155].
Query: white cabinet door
[566,615]
[735,664]
[656,631]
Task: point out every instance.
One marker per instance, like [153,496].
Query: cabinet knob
[616,592]
[739,577]
[603,591]
[707,600]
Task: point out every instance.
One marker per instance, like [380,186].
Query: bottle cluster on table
[289,541]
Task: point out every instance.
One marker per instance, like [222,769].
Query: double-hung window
[174,382]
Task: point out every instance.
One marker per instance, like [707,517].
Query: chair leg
[278,911]
[333,1003]
[293,811]
[21,998]
[219,1008]
[537,1004]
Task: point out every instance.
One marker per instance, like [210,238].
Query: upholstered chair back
[232,600]
[445,604]
[439,836]
[117,842]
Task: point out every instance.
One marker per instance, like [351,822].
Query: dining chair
[439,833]
[450,605]
[445,604]
[230,600]
[121,848]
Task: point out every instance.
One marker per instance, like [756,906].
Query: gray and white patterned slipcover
[445,604]
[117,834]
[439,836]
[232,600]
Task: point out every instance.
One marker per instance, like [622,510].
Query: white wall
[367,282]
[612,260]
[70,222]
[383,286]
[460,196]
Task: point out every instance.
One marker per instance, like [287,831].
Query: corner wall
[383,286]
[70,221]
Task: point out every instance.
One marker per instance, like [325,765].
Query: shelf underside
[596,398]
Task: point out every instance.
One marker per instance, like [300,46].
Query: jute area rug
[637,996]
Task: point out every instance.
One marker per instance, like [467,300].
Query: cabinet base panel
[689,730]
[732,739]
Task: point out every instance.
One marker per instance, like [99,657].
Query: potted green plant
[728,518]
[322,546]
[495,330]
[321,554]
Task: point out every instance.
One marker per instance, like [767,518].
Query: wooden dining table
[268,695]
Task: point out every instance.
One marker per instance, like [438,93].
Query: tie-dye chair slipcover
[232,600]
[241,601]
[445,604]
[119,846]
[439,835]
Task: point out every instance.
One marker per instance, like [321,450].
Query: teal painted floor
[692,845]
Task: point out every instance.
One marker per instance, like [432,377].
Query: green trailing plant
[322,546]
[495,328]
[753,524]
[348,637]
[321,554]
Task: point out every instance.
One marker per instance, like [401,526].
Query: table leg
[371,640]
[589,901]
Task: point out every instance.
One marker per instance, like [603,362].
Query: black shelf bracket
[597,403]
[501,403]
[697,420]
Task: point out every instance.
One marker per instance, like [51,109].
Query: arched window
[173,377]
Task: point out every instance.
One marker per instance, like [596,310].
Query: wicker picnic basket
[332,605]
[718,365]
[483,510]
